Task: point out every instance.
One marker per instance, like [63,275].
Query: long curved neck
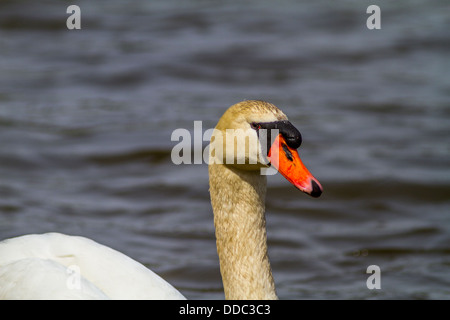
[238,201]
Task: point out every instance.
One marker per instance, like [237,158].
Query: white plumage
[57,266]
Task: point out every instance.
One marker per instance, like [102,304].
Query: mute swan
[57,266]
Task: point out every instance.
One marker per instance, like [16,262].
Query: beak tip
[316,189]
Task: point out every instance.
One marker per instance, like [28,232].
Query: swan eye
[255,125]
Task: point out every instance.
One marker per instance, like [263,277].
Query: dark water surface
[86,118]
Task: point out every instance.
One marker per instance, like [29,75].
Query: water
[86,118]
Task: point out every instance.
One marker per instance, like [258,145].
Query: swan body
[57,266]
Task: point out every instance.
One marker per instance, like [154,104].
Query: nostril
[316,189]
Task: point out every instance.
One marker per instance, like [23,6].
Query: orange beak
[287,161]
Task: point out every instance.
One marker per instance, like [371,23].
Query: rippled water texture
[86,118]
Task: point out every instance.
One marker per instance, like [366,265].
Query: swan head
[254,135]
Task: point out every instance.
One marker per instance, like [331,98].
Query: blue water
[86,118]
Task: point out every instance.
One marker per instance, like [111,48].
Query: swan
[57,266]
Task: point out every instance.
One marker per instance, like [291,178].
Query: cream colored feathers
[238,194]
